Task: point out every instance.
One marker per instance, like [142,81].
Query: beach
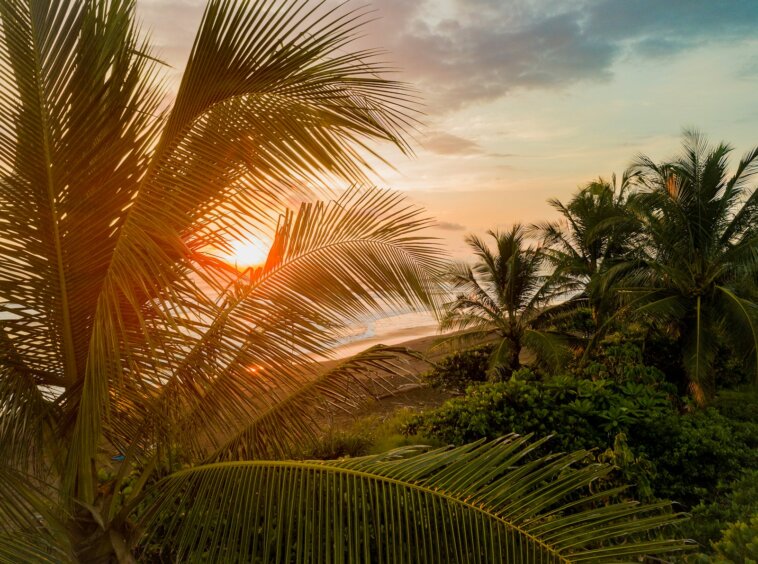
[416,330]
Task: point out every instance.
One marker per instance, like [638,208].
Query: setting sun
[252,252]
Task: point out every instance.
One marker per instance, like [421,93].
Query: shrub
[340,444]
[697,453]
[621,357]
[581,413]
[737,501]
[459,370]
[740,404]
[739,544]
[691,458]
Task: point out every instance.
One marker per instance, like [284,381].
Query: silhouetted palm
[505,293]
[698,261]
[595,231]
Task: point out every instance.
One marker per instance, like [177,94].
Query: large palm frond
[485,502]
[30,531]
[107,201]
[329,264]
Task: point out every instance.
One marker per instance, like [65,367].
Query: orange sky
[527,99]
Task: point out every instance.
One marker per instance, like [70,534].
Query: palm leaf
[330,264]
[107,202]
[29,529]
[491,502]
[550,347]
[294,418]
[742,320]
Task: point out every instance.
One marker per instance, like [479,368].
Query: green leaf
[482,502]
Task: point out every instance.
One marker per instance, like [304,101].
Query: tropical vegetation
[594,231]
[505,295]
[696,268]
[655,284]
[150,392]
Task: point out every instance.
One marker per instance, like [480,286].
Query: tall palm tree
[507,294]
[595,231]
[698,264]
[121,333]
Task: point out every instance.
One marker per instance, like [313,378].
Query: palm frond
[550,347]
[30,531]
[742,319]
[483,502]
[26,417]
[79,99]
[294,418]
[329,265]
[109,201]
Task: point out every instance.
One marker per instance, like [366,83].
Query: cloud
[749,69]
[443,143]
[480,50]
[459,52]
[449,226]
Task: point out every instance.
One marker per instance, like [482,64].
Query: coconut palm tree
[595,231]
[506,294]
[699,255]
[121,333]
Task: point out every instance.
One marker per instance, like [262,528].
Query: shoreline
[418,338]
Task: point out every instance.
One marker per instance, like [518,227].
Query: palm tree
[506,294]
[121,333]
[698,263]
[595,231]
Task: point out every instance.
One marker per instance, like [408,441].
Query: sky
[526,100]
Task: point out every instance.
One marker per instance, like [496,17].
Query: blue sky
[527,99]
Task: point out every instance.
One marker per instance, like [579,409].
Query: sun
[252,252]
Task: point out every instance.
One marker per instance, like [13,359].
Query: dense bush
[581,413]
[739,544]
[459,370]
[696,453]
[339,444]
[621,365]
[733,502]
[706,460]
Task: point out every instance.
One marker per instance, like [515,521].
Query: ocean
[389,330]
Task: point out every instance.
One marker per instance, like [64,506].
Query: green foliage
[694,269]
[695,452]
[622,359]
[615,393]
[369,435]
[739,404]
[596,230]
[625,409]
[505,294]
[459,370]
[414,505]
[739,544]
[581,413]
[736,501]
[339,444]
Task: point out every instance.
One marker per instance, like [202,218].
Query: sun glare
[248,253]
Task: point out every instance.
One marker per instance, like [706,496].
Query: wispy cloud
[464,51]
[450,226]
[443,143]
[480,50]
